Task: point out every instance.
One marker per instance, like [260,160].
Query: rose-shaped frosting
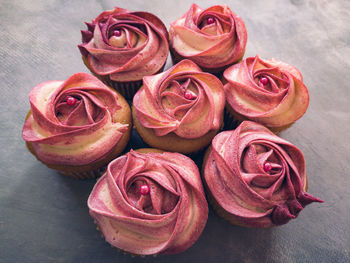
[256,176]
[125,45]
[213,38]
[183,100]
[168,219]
[72,122]
[267,91]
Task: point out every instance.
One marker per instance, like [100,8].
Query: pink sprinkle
[144,189]
[71,101]
[210,20]
[117,33]
[264,80]
[267,167]
[189,95]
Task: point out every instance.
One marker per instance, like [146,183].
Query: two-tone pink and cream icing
[213,38]
[256,176]
[270,92]
[125,45]
[183,100]
[72,122]
[150,203]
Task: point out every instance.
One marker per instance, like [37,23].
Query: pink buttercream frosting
[72,122]
[213,37]
[168,219]
[270,92]
[125,45]
[256,176]
[183,100]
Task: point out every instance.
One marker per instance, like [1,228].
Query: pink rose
[267,91]
[150,203]
[212,38]
[258,178]
[72,122]
[184,100]
[125,45]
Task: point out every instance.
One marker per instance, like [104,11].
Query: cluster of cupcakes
[152,200]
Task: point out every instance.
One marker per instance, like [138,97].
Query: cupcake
[179,110]
[214,38]
[150,203]
[77,126]
[120,47]
[269,92]
[255,178]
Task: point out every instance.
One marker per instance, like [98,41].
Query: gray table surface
[44,217]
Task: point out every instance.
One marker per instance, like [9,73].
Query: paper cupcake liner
[127,88]
[84,175]
[89,174]
[83,172]
[230,122]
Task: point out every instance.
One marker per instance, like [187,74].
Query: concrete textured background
[44,217]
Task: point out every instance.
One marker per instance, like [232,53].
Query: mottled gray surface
[43,216]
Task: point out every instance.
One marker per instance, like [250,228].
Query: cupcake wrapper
[127,89]
[84,175]
[230,122]
[65,170]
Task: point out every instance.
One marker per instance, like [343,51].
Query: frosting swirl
[72,122]
[125,45]
[267,91]
[168,219]
[213,38]
[256,176]
[183,100]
